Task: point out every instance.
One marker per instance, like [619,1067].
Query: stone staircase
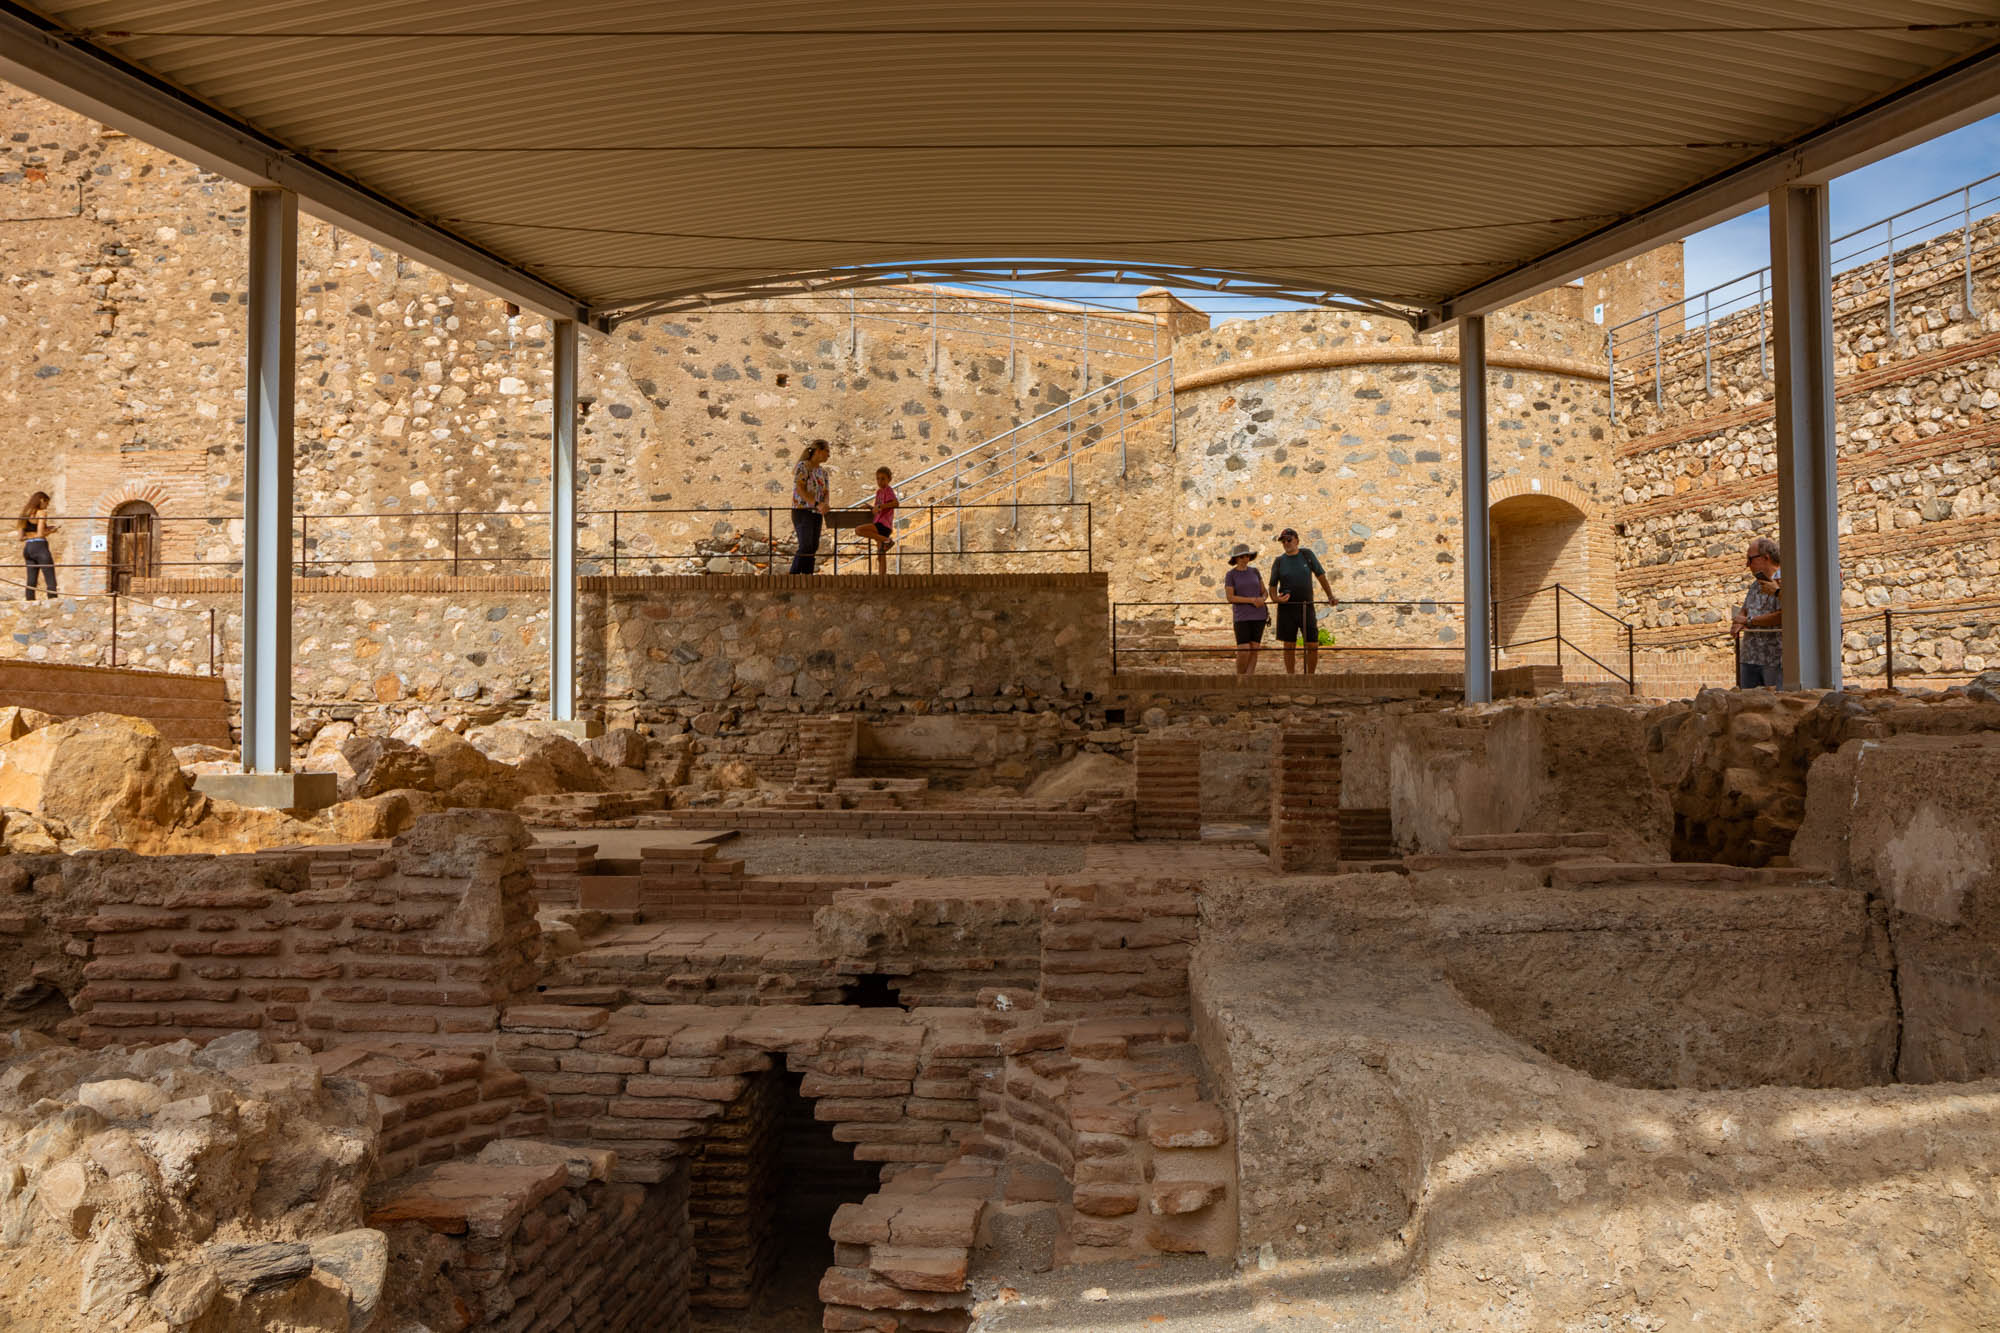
[1582,861]
[1500,851]
[1366,835]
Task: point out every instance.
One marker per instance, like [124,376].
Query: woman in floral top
[809,503]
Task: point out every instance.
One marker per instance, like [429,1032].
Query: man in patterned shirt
[1760,652]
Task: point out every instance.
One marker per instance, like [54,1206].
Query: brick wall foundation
[1167,774]
[424,939]
[532,1238]
[1305,801]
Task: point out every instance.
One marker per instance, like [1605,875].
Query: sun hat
[1241,549]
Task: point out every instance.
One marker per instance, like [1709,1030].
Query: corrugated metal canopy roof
[635,155]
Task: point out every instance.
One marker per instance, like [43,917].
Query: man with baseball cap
[1292,575]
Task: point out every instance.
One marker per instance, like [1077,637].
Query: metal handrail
[1630,676]
[1160,372]
[1889,614]
[617,533]
[1734,296]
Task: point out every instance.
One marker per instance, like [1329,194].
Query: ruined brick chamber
[1511,1016]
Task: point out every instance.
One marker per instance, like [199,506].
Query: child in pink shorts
[881,529]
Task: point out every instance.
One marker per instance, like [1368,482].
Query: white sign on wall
[100,543]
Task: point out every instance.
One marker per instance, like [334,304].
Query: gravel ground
[812,854]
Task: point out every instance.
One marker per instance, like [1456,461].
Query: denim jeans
[41,566]
[806,525]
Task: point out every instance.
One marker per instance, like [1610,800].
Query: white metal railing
[1115,339]
[1098,419]
[1732,317]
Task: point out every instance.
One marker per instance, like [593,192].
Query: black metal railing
[943,538]
[1590,614]
[1178,630]
[1165,630]
[1891,617]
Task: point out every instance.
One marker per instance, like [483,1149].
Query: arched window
[135,543]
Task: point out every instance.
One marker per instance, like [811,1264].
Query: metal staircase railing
[1941,246]
[998,466]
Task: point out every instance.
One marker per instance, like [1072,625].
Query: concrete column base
[581,729]
[272,791]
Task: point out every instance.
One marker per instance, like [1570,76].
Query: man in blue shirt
[1292,576]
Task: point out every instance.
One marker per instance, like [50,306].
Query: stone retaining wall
[1917,410]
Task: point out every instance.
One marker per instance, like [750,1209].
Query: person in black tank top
[35,554]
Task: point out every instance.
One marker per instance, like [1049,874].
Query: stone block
[272,791]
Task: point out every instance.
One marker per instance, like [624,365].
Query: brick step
[1516,842]
[683,852]
[692,872]
[1707,874]
[1531,858]
[608,893]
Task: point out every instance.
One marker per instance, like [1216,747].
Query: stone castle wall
[1346,428]
[653,649]
[1918,414]
[421,395]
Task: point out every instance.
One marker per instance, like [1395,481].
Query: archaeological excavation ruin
[481,851]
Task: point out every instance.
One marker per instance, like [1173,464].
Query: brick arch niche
[1543,535]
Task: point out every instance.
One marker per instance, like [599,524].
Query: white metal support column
[1808,516]
[1473,525]
[562,530]
[267,482]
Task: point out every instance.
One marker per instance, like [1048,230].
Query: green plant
[1325,637]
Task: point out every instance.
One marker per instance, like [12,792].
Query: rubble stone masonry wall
[1918,417]
[121,318]
[422,398]
[1346,428]
[651,644]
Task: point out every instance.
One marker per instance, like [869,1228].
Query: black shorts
[1250,631]
[1294,616]
[880,530]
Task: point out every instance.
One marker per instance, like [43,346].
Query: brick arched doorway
[1540,541]
[134,545]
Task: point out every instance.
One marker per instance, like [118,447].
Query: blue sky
[1860,197]
[1742,244]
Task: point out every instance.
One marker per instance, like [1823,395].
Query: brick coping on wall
[1893,456]
[1332,358]
[1924,537]
[1532,677]
[108,675]
[732,584]
[1847,386]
